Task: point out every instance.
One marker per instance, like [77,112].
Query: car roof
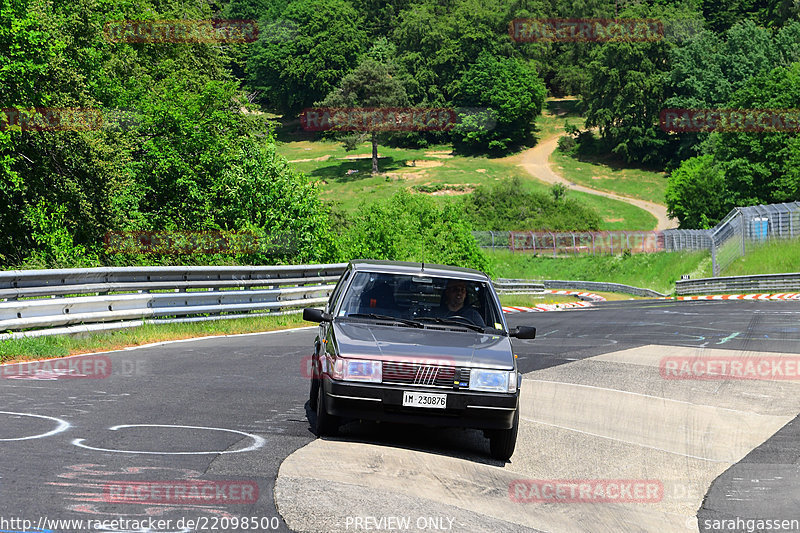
[417,269]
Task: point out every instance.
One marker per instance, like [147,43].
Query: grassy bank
[607,175]
[776,257]
[657,271]
[61,346]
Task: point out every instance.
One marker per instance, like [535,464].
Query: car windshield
[449,302]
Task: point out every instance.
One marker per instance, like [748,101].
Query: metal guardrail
[518,286]
[762,283]
[95,297]
[579,285]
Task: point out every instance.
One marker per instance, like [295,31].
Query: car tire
[313,393]
[327,424]
[503,441]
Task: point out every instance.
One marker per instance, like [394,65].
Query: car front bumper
[377,401]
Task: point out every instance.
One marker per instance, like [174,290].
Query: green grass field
[657,271]
[609,177]
[775,257]
[327,163]
[433,166]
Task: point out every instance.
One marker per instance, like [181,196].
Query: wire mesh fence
[746,227]
[741,230]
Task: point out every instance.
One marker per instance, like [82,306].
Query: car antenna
[423,266]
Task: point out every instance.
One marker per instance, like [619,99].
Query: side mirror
[316,315]
[523,332]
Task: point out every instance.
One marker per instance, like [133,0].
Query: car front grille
[417,374]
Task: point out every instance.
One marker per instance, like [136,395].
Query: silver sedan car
[416,343]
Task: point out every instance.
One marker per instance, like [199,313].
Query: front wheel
[503,441]
[313,393]
[327,424]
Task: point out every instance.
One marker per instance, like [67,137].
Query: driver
[454,303]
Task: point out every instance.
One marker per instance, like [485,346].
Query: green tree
[436,42]
[371,84]
[628,83]
[696,193]
[295,72]
[760,167]
[173,167]
[512,92]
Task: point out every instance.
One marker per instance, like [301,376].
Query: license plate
[424,399]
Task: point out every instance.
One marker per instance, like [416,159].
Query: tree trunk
[374,153]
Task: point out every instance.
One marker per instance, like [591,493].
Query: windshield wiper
[412,323]
[463,321]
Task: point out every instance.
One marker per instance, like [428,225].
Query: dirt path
[536,161]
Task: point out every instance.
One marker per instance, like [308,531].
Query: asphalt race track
[222,424]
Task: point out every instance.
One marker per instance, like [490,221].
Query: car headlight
[357,370]
[493,380]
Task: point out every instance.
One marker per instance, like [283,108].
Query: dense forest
[186,145]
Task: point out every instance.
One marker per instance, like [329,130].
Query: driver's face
[455,293]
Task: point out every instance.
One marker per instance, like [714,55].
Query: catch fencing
[740,231]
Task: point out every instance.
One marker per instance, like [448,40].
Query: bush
[409,227]
[697,193]
[567,144]
[509,206]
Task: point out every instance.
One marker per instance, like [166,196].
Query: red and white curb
[545,307]
[592,296]
[778,296]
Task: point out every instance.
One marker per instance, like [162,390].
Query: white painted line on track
[624,441]
[62,426]
[258,442]
[525,380]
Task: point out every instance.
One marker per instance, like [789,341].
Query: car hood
[428,346]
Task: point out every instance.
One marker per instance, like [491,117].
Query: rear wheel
[327,424]
[503,441]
